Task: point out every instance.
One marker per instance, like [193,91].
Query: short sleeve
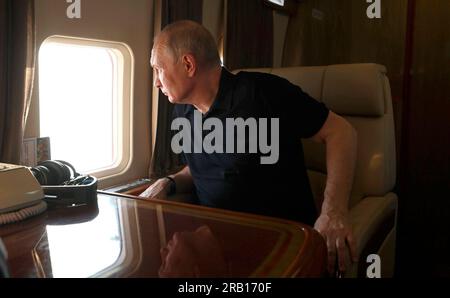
[297,109]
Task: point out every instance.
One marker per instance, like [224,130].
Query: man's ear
[190,65]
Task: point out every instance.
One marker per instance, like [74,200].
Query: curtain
[17,58]
[249,34]
[164,161]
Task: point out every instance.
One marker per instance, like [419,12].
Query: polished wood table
[124,236]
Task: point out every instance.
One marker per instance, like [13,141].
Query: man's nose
[157,82]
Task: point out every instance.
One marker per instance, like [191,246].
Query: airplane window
[81,102]
[277,2]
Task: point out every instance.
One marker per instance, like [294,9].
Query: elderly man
[188,70]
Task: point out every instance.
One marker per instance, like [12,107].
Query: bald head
[188,37]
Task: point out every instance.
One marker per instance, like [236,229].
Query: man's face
[193,254]
[170,76]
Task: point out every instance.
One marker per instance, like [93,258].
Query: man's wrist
[172,186]
[334,210]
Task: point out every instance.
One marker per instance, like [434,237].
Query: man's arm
[333,223]
[160,189]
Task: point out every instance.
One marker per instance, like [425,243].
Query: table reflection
[85,249]
[194,254]
[101,243]
[127,237]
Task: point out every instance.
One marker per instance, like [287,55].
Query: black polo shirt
[238,181]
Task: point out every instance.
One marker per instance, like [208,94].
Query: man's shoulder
[261,74]
[260,78]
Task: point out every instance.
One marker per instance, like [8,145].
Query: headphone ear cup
[66,172]
[72,173]
[37,173]
[57,172]
[43,174]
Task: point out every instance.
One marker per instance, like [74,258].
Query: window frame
[124,97]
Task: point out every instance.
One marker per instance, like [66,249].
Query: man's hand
[341,141]
[157,190]
[337,231]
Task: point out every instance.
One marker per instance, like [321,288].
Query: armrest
[135,188]
[372,219]
[369,214]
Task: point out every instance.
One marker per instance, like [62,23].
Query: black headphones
[62,185]
[58,172]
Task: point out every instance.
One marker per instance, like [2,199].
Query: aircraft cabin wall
[128,22]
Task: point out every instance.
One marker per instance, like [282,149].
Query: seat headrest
[346,89]
[355,89]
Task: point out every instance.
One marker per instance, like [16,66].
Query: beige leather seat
[360,93]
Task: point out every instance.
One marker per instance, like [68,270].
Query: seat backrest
[361,94]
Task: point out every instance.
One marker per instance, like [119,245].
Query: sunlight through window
[278,2]
[78,89]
